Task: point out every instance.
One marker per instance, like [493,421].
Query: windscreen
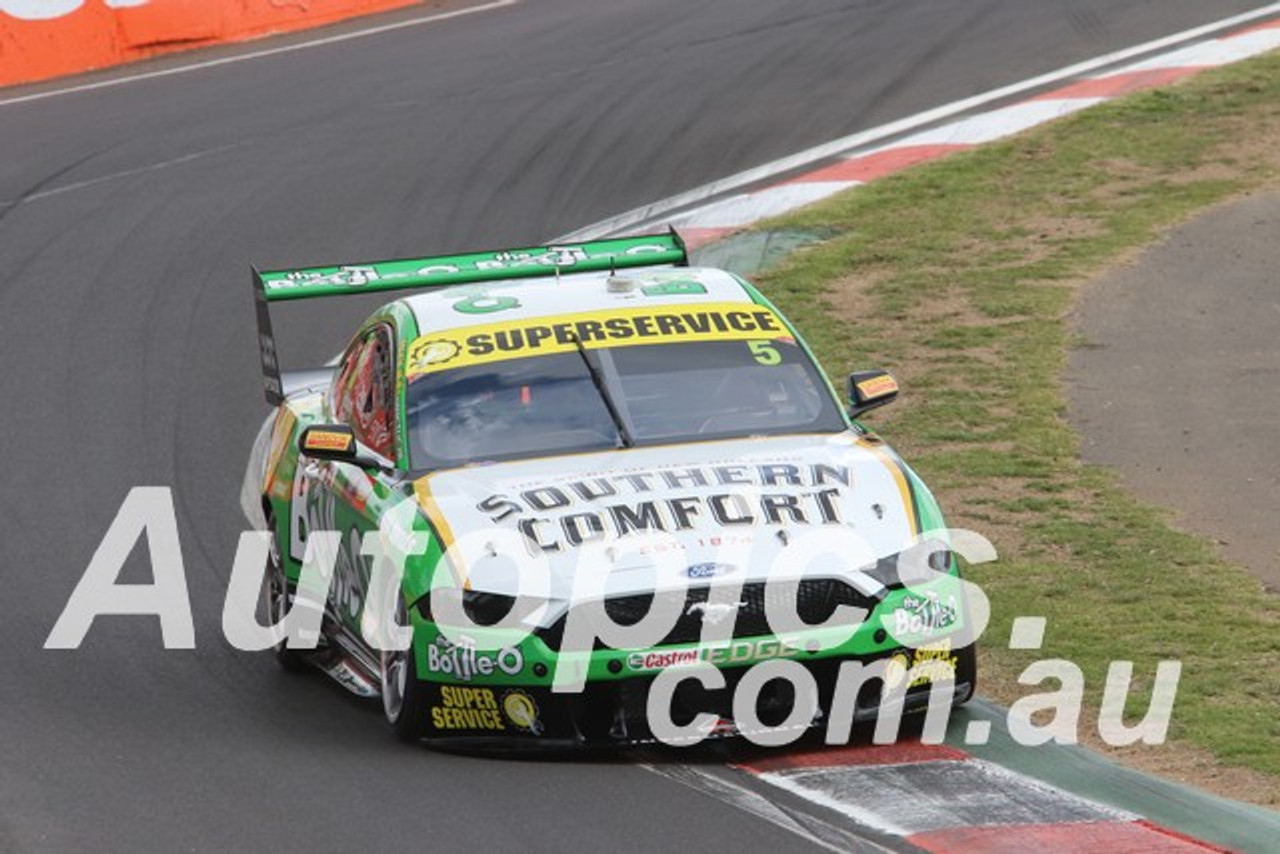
[674,392]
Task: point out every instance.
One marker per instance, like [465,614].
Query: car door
[343,497]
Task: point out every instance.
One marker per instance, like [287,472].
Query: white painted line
[650,212]
[747,208]
[998,124]
[811,828]
[919,797]
[1218,52]
[850,809]
[258,54]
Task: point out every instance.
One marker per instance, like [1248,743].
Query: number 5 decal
[764,352]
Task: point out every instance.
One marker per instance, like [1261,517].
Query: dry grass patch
[960,276]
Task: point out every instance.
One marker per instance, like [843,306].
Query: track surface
[129,218]
[1181,343]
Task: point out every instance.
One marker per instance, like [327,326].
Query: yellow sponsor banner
[467,709]
[327,440]
[478,345]
[877,387]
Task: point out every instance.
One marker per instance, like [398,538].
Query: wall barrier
[40,39]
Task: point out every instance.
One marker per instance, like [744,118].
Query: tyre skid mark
[861,158]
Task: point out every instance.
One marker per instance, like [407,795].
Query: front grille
[608,712]
[816,600]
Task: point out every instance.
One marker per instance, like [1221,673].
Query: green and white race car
[601,482]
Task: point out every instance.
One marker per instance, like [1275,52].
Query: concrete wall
[40,39]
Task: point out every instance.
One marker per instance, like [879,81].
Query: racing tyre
[966,672]
[279,595]
[404,698]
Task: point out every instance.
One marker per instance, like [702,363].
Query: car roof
[460,306]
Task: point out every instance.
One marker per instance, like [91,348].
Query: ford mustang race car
[599,430]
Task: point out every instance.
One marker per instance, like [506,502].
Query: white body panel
[517,299]
[822,505]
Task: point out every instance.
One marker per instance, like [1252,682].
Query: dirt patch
[851,297]
[1048,232]
[1193,766]
[1175,391]
[943,322]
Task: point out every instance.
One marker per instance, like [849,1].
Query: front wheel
[966,673]
[404,699]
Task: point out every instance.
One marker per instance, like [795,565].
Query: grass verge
[959,276]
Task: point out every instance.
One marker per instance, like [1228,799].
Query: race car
[596,430]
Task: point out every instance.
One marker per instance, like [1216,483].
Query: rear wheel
[279,597]
[404,697]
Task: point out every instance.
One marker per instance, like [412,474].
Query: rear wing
[444,270]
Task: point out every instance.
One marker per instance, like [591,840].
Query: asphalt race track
[128,218]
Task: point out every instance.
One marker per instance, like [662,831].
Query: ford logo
[708,570]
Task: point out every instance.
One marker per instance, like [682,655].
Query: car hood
[823,505]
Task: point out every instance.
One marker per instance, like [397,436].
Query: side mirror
[337,443]
[870,389]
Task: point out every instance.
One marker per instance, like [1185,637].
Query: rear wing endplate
[440,271]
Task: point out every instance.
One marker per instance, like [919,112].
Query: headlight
[481,608]
[904,569]
[486,609]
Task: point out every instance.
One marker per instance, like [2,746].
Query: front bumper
[614,713]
